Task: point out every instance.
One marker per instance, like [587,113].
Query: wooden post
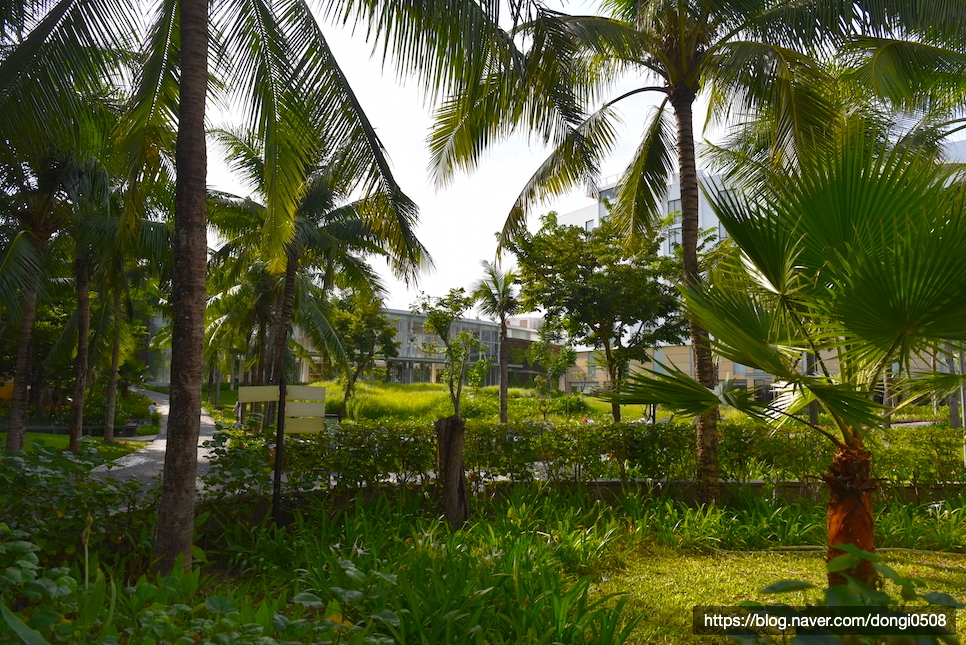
[279,445]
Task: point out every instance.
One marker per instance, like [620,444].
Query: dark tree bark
[707,471]
[176,513]
[21,372]
[612,371]
[449,468]
[115,365]
[849,514]
[283,317]
[82,276]
[504,372]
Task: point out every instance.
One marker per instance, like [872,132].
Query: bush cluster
[372,452]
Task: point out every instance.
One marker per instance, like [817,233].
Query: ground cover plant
[107,451]
[538,564]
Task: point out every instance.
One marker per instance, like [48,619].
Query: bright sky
[457,224]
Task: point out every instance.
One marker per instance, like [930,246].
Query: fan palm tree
[497,298]
[857,258]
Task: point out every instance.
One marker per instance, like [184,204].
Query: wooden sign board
[304,405]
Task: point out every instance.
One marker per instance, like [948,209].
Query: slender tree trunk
[21,372]
[177,509]
[217,386]
[955,420]
[887,397]
[811,360]
[849,515]
[449,468]
[504,372]
[115,365]
[706,475]
[283,316]
[934,366]
[82,275]
[615,408]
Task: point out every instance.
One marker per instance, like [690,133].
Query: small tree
[366,335]
[440,315]
[553,361]
[498,298]
[603,294]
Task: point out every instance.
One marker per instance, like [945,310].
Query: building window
[589,225]
[673,240]
[740,369]
[674,210]
[591,367]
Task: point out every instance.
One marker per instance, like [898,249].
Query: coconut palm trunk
[21,375]
[176,512]
[849,511]
[283,317]
[111,406]
[82,276]
[707,471]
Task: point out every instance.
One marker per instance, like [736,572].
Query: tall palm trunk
[176,513]
[21,371]
[504,372]
[115,365]
[849,512]
[706,475]
[82,276]
[283,317]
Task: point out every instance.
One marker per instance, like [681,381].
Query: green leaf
[27,635]
[94,602]
[308,600]
[198,554]
[785,586]
[843,562]
[220,605]
[943,599]
[387,616]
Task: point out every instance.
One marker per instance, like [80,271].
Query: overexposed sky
[457,224]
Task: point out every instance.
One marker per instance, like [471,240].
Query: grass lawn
[664,585]
[108,451]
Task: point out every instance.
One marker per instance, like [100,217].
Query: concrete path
[146,464]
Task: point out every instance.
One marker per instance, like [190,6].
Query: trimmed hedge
[370,452]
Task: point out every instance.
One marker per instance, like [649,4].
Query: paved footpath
[146,464]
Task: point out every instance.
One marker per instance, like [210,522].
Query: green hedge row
[354,454]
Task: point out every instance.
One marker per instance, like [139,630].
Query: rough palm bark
[849,512]
[17,427]
[82,276]
[176,512]
[283,316]
[111,406]
[707,471]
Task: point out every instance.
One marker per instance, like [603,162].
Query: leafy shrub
[53,499]
[856,594]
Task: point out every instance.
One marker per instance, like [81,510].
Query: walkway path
[146,464]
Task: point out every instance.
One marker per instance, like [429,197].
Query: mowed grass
[109,451]
[664,585]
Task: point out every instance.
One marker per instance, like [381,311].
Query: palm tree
[498,299]
[741,54]
[331,233]
[857,258]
